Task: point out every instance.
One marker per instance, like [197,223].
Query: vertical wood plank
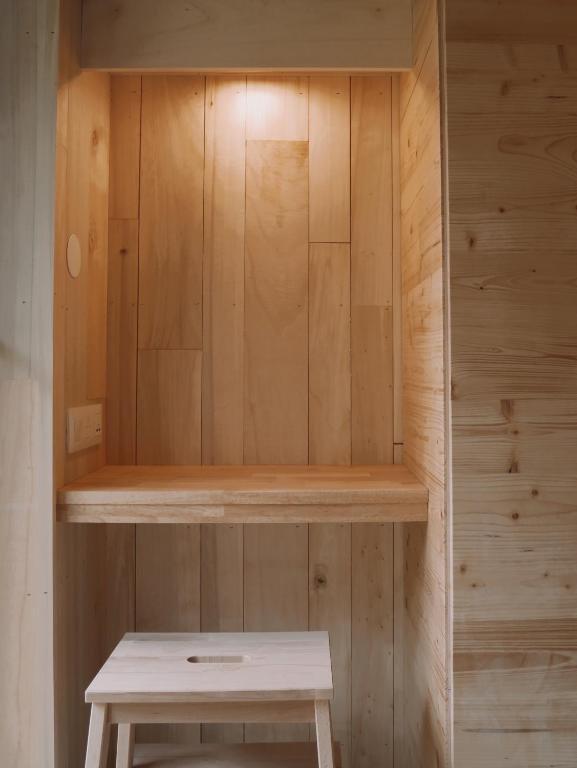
[372,385]
[397,295]
[223,275]
[330,609]
[372,414]
[122,337]
[169,406]
[330,168]
[124,188]
[222,564]
[171,213]
[87,216]
[371,191]
[276,359]
[372,644]
[277,108]
[276,598]
[329,354]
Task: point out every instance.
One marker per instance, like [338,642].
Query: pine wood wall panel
[228,36]
[278,379]
[371,192]
[223,273]
[329,354]
[330,167]
[28,58]
[125,106]
[426,730]
[171,200]
[372,642]
[168,418]
[511,75]
[122,335]
[276,285]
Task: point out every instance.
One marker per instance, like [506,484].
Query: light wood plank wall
[252,308]
[93,566]
[512,137]
[422,699]
[28,58]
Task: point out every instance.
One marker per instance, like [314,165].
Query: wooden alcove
[260,312]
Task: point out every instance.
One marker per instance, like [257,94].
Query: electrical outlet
[84,427]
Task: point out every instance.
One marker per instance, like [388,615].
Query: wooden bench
[212,678]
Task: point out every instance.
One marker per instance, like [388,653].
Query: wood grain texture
[225,36]
[276,288]
[277,108]
[223,272]
[169,406]
[122,321]
[125,106]
[276,598]
[28,58]
[371,192]
[286,302]
[514,379]
[329,354]
[426,655]
[171,219]
[372,384]
[329,161]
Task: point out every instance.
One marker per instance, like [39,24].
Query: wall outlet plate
[84,427]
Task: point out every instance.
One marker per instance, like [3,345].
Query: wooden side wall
[28,61]
[93,565]
[250,299]
[512,138]
[424,693]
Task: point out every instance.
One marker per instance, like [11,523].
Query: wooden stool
[270,677]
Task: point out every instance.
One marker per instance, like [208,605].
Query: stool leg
[98,736]
[324,734]
[125,745]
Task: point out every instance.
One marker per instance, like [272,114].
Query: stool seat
[240,677]
[201,667]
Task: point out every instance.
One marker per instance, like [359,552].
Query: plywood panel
[513,365]
[276,368]
[371,192]
[169,406]
[329,355]
[171,204]
[223,273]
[277,108]
[122,337]
[224,35]
[329,148]
[125,106]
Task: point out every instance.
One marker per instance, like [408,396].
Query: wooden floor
[244,494]
[295,755]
